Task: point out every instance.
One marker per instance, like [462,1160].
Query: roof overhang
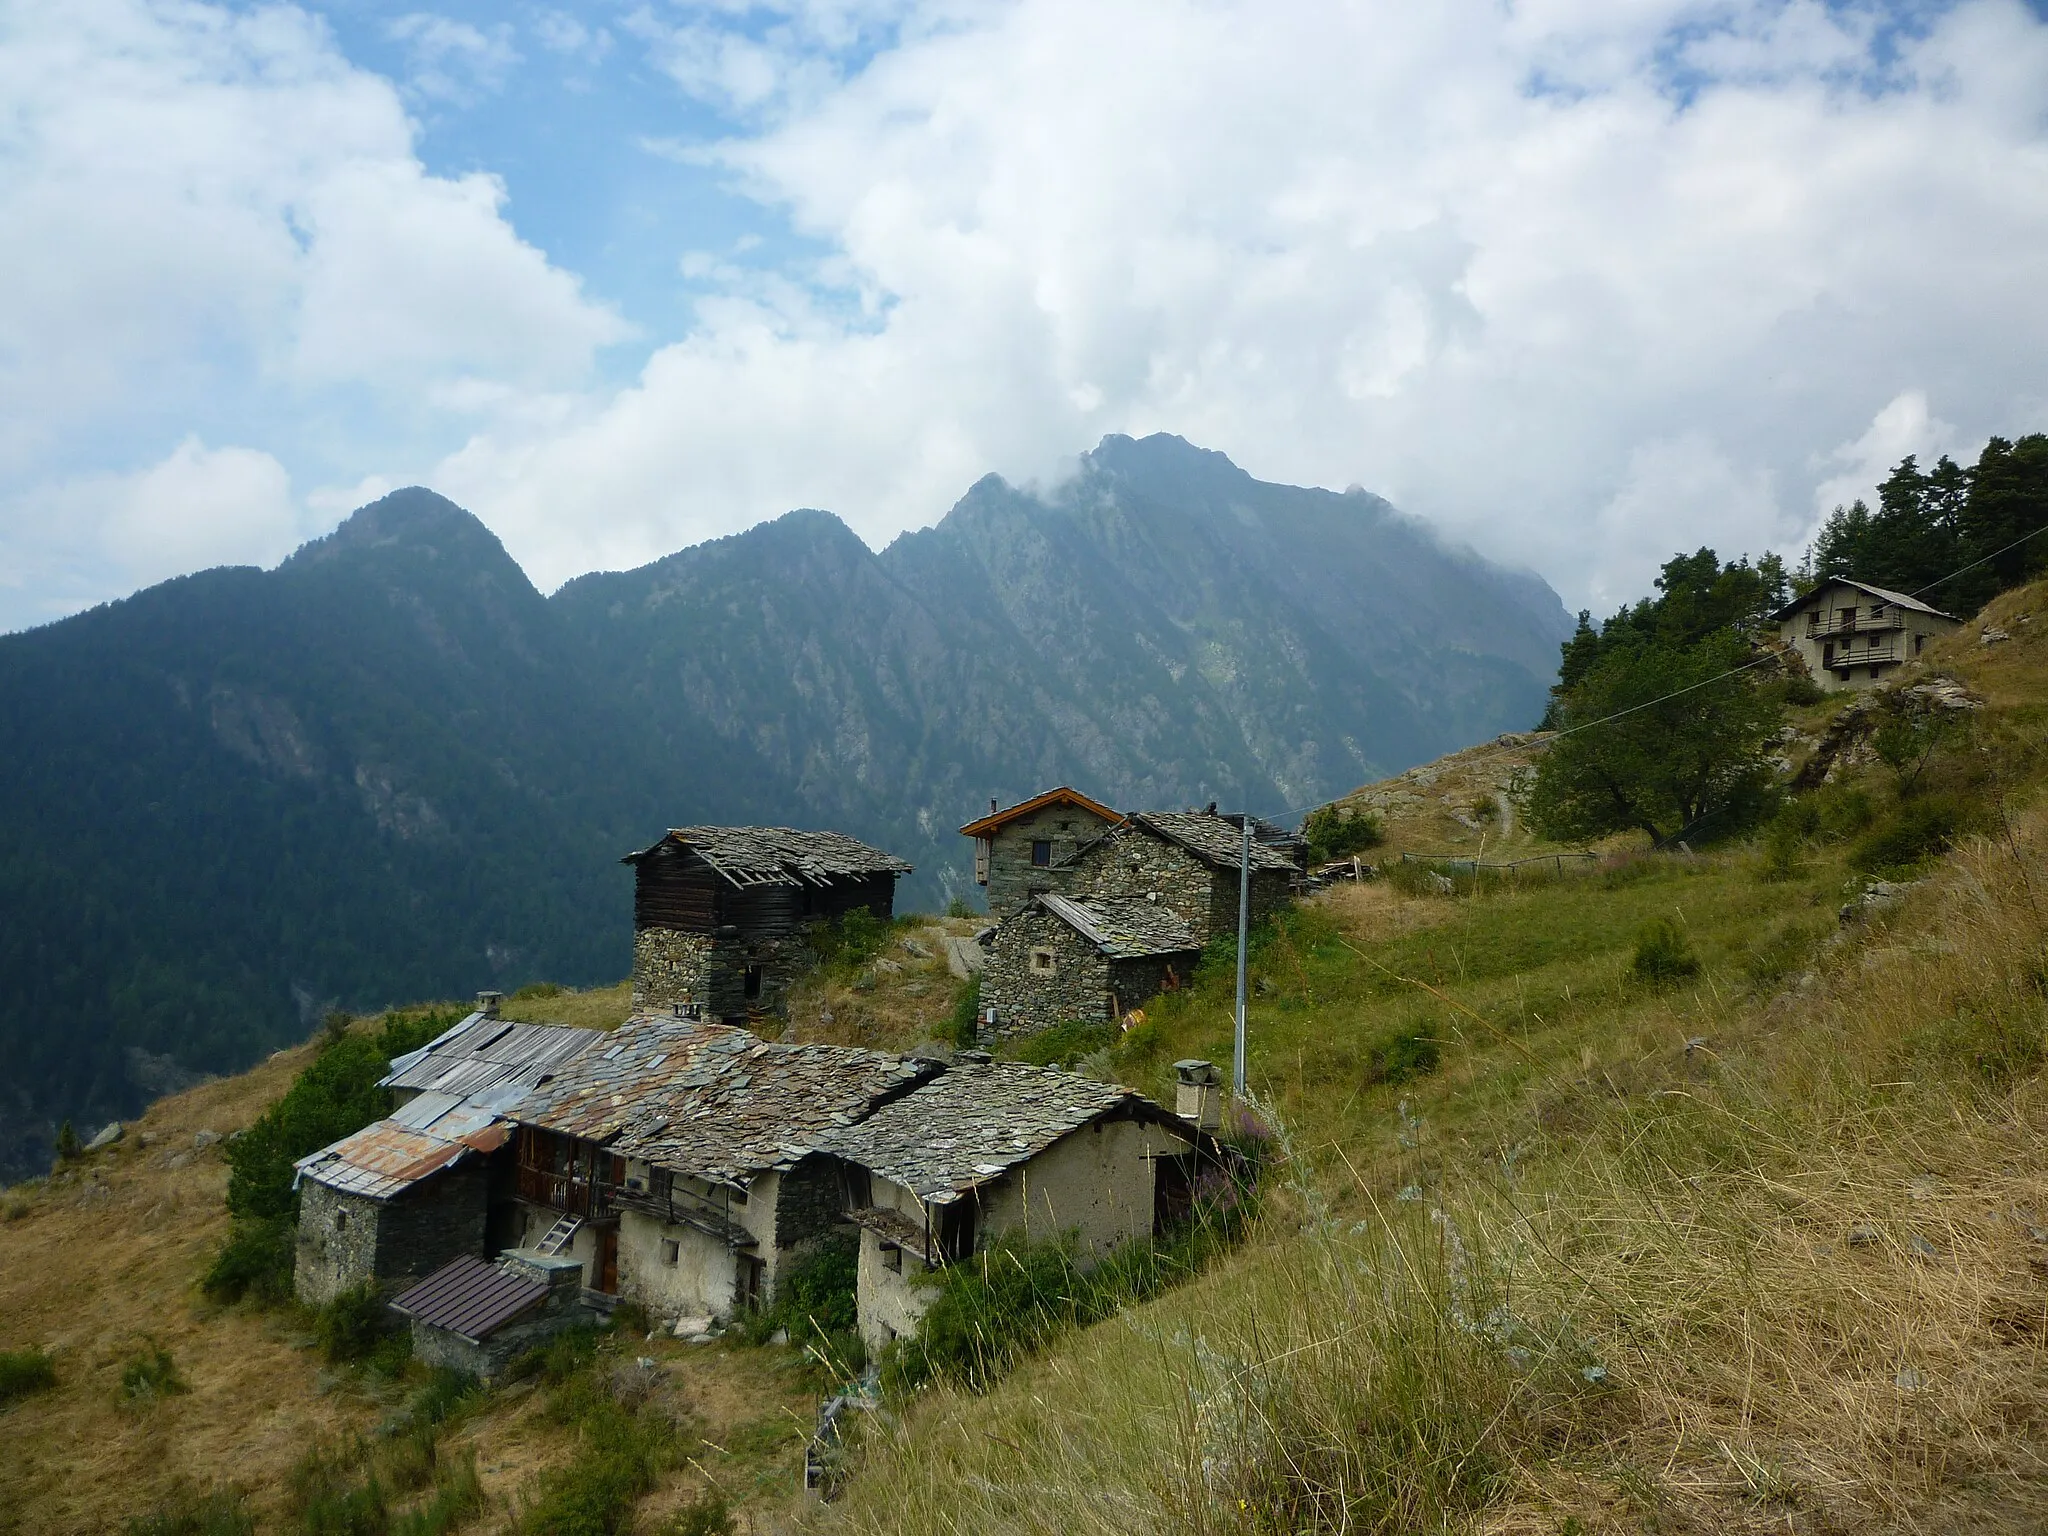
[989,824]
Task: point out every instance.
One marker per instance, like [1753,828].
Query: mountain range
[391,769]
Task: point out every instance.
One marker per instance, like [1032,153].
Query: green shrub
[815,1302]
[961,907]
[69,1146]
[457,1499]
[335,1095]
[1663,954]
[23,1372]
[329,1494]
[851,940]
[619,1456]
[1800,690]
[255,1261]
[556,1361]
[1916,831]
[1334,833]
[705,1515]
[1065,1044]
[351,1326]
[1781,952]
[963,1024]
[1406,1053]
[190,1512]
[150,1373]
[1843,810]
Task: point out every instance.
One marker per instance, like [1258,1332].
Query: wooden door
[608,1260]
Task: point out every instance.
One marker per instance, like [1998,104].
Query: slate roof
[1211,838]
[489,1060]
[471,1298]
[388,1157]
[1123,927]
[978,1121]
[712,1100]
[1884,594]
[748,856]
[994,820]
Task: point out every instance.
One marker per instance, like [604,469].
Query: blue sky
[1580,281]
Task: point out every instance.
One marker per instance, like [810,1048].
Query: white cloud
[217,229]
[200,507]
[1583,280]
[451,60]
[1586,281]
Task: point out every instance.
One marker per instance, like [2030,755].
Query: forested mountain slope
[391,768]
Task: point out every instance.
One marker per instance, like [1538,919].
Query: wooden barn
[721,915]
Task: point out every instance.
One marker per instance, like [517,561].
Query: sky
[1582,282]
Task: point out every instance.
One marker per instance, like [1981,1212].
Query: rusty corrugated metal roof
[388,1157]
[471,1298]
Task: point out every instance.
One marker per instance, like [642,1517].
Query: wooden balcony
[1820,625]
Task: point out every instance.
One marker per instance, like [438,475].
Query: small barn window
[892,1258]
[1042,963]
[340,1220]
[1041,852]
[671,1251]
[753,981]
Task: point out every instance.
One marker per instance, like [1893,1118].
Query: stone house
[1852,635]
[1187,862]
[722,915]
[1024,851]
[679,1163]
[1089,959]
[989,1149]
[401,1197]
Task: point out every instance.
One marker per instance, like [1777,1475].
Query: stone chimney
[1198,1093]
[487,1003]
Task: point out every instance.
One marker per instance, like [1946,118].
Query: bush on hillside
[963,1024]
[1335,833]
[816,1305]
[851,940]
[1663,954]
[351,1326]
[191,1511]
[1916,831]
[335,1095]
[24,1371]
[150,1373]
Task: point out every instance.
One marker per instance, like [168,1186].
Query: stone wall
[439,1218]
[1012,878]
[337,1243]
[809,1203]
[1027,1000]
[669,968]
[1143,864]
[709,971]
[345,1240]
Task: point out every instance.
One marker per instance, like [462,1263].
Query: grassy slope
[108,1253]
[1676,1218]
[1767,1250]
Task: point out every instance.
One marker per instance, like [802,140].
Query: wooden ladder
[559,1236]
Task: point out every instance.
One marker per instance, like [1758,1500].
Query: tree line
[1668,710]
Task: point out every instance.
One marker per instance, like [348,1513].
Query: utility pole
[1244,907]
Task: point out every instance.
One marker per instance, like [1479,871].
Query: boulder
[108,1135]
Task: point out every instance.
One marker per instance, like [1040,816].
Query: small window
[892,1258]
[1041,852]
[670,1251]
[753,981]
[340,1221]
[1042,963]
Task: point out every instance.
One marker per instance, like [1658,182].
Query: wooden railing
[1820,625]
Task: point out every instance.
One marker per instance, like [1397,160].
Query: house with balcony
[1853,635]
[1026,850]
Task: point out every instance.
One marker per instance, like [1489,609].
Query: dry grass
[902,1003]
[591,1008]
